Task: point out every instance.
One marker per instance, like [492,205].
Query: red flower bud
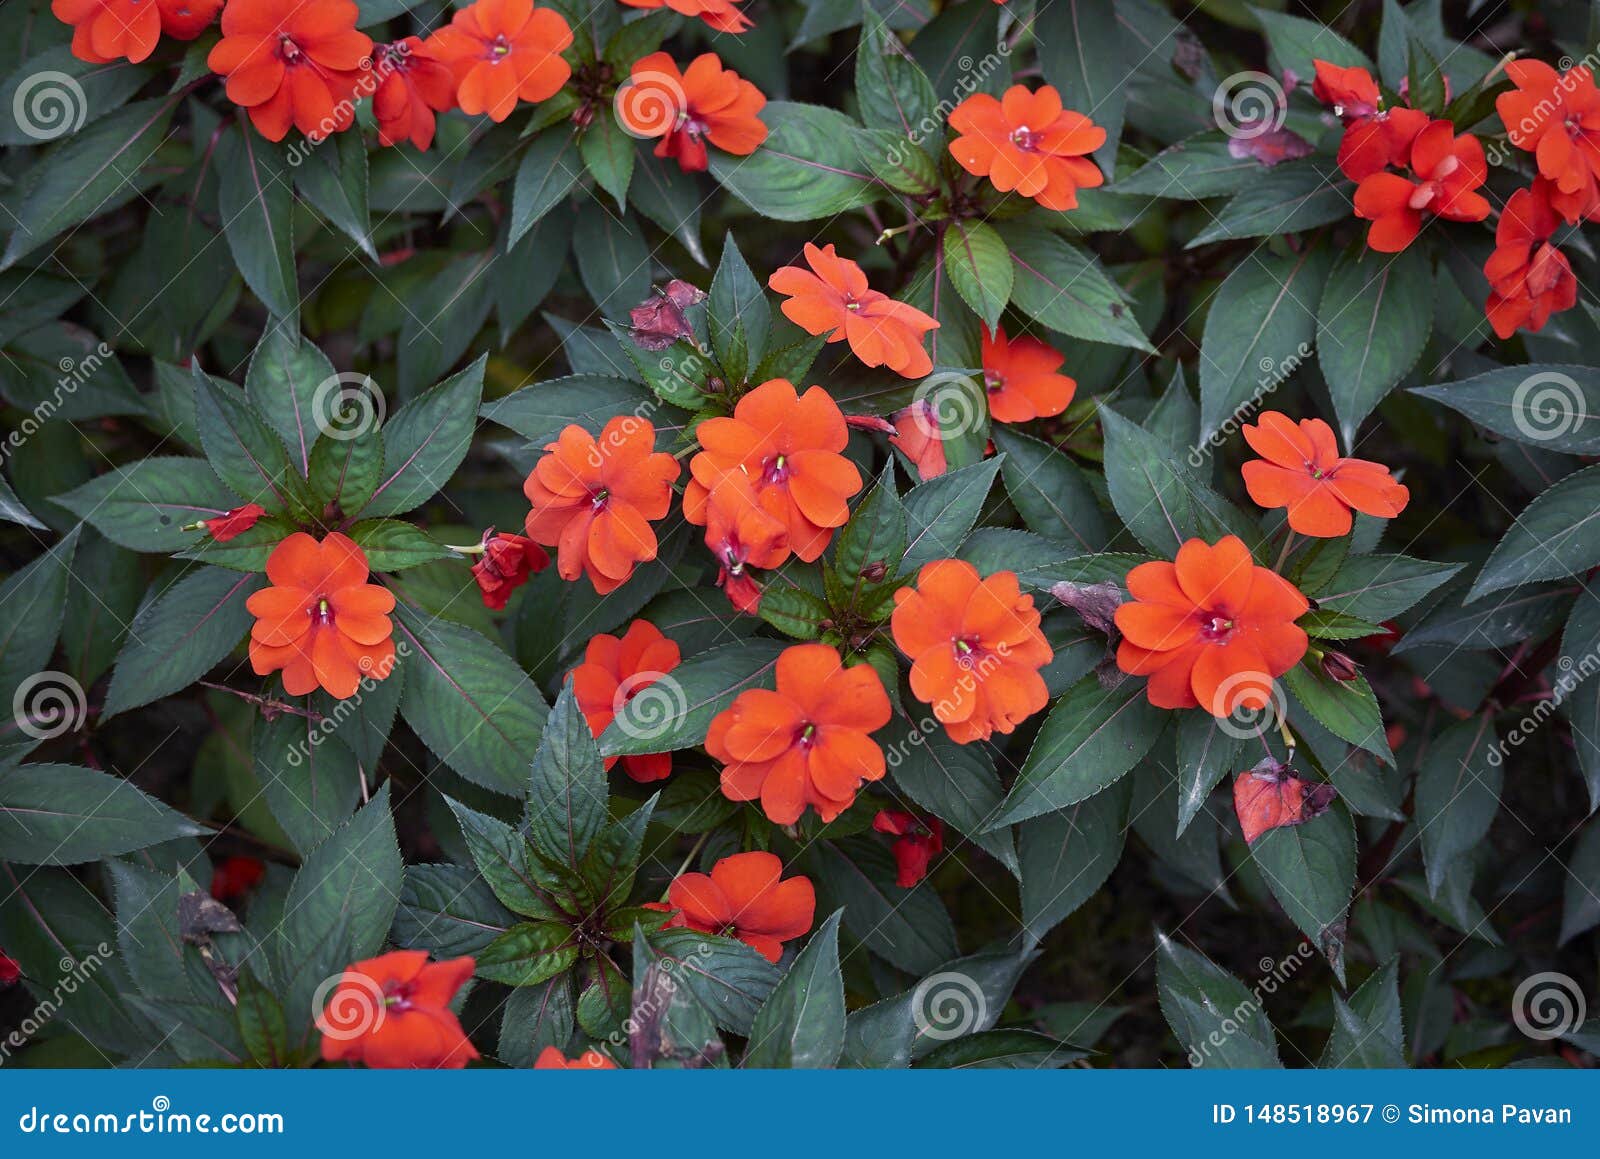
[507,562]
[235,522]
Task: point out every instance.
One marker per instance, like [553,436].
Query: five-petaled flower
[917,843]
[1556,117]
[413,85]
[1300,468]
[393,1012]
[593,500]
[1025,141]
[108,30]
[744,898]
[833,298]
[1529,279]
[505,565]
[502,52]
[1212,630]
[975,648]
[783,450]
[1021,379]
[809,742]
[551,1058]
[293,64]
[321,623]
[704,102]
[1447,169]
[1374,137]
[613,672]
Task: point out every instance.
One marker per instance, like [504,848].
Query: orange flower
[613,672]
[1556,117]
[1529,279]
[742,534]
[1300,469]
[552,1059]
[393,1011]
[1020,376]
[786,449]
[808,743]
[743,898]
[918,437]
[833,298]
[722,15]
[503,51]
[594,500]
[975,648]
[505,565]
[414,84]
[107,30]
[1212,630]
[1448,170]
[1374,138]
[321,623]
[1028,142]
[687,109]
[293,64]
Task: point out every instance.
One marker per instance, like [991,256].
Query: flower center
[599,499]
[1217,629]
[1025,138]
[499,48]
[289,50]
[993,381]
[323,612]
[807,736]
[777,469]
[968,650]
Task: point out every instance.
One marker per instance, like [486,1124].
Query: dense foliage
[798,533]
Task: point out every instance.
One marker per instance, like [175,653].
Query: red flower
[919,842]
[1212,630]
[975,648]
[788,450]
[552,1059]
[503,51]
[613,672]
[293,64]
[808,743]
[235,522]
[1556,117]
[321,623]
[1529,279]
[833,298]
[721,15]
[743,898]
[413,85]
[505,565]
[1028,142]
[10,969]
[594,500]
[1374,138]
[1300,468]
[234,877]
[1020,377]
[393,1011]
[686,109]
[742,534]
[1448,170]
[107,30]
[919,438]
